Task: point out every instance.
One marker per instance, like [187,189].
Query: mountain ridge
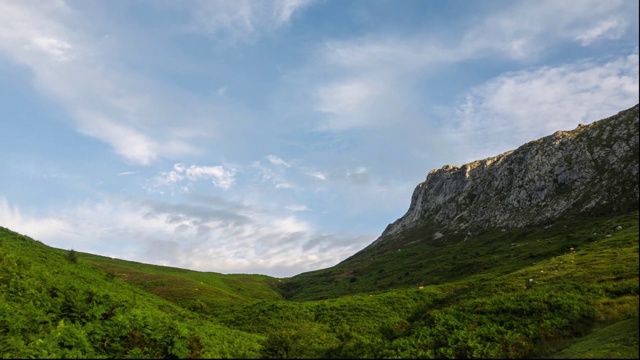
[585,170]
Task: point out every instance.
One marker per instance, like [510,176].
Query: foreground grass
[56,306]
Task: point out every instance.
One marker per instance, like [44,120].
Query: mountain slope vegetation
[56,305]
[53,307]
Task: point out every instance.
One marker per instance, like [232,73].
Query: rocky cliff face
[591,169]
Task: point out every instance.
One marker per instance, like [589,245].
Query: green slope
[572,290]
[205,292]
[619,340]
[417,259]
[52,307]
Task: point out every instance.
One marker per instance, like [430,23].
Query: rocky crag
[589,170]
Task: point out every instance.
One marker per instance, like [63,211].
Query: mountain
[570,177]
[589,170]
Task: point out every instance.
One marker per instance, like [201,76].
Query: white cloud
[219,175]
[243,19]
[317,175]
[606,29]
[35,227]
[106,101]
[373,80]
[277,161]
[359,175]
[346,103]
[58,49]
[274,175]
[219,236]
[126,173]
[285,186]
[183,177]
[518,107]
[527,29]
[125,140]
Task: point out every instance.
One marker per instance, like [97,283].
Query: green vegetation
[202,292]
[72,256]
[619,340]
[415,258]
[51,307]
[411,296]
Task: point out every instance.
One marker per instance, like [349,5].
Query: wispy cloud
[218,236]
[350,78]
[359,175]
[317,175]
[34,226]
[518,107]
[606,29]
[243,19]
[504,33]
[107,101]
[277,161]
[125,140]
[52,47]
[273,174]
[346,103]
[182,177]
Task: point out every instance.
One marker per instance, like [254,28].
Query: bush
[72,256]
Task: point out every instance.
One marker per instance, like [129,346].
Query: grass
[582,257]
[205,292]
[51,307]
[416,259]
[616,341]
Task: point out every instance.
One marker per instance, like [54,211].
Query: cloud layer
[216,235]
[521,106]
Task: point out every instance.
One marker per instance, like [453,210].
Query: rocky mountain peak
[591,169]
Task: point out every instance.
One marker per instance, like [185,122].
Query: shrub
[72,256]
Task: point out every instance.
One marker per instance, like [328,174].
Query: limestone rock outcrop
[591,169]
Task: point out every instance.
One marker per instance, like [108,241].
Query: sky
[280,136]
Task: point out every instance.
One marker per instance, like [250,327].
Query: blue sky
[278,137]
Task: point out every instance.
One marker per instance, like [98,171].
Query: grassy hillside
[480,304]
[413,297]
[204,292]
[619,340]
[417,258]
[56,305]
